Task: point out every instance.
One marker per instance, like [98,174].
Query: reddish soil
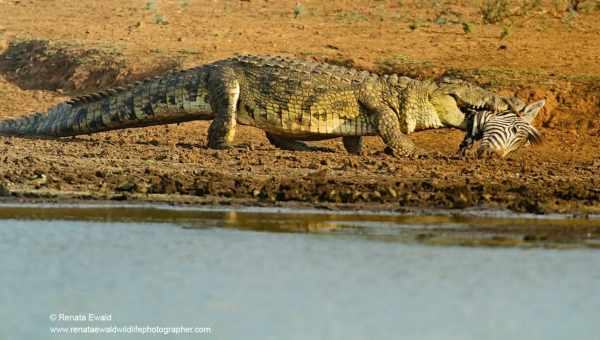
[546,52]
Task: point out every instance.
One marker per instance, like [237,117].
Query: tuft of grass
[569,18]
[184,4]
[150,5]
[468,27]
[494,11]
[160,19]
[299,10]
[506,32]
[441,20]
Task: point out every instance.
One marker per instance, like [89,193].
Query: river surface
[222,275]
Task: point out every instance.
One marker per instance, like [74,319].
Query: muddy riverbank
[543,56]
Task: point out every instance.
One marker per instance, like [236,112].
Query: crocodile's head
[501,132]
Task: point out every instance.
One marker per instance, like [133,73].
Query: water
[248,284]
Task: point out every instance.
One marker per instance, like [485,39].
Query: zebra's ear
[531,110]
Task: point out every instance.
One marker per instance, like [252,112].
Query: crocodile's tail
[173,98]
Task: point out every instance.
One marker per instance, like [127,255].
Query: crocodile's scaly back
[175,97]
[300,98]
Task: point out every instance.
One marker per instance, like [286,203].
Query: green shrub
[494,11]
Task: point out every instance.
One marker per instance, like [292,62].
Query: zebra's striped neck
[476,121]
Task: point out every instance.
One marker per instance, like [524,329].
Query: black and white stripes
[501,132]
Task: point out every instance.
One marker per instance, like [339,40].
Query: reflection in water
[440,228]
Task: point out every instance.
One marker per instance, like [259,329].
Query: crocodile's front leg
[387,123]
[465,145]
[397,143]
[224,93]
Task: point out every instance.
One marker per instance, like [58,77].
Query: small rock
[4,191]
[142,188]
[127,186]
[120,197]
[39,180]
[392,192]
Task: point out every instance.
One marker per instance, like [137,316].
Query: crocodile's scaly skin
[291,100]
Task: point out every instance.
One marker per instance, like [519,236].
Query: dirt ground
[54,49]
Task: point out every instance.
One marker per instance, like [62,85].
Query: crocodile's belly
[306,127]
[315,116]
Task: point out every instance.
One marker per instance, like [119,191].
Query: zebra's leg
[465,145]
[474,122]
[353,144]
[293,145]
[224,93]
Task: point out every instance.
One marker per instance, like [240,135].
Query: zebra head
[502,132]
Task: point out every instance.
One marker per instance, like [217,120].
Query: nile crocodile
[291,100]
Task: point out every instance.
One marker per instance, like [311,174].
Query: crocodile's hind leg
[224,93]
[353,144]
[292,144]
